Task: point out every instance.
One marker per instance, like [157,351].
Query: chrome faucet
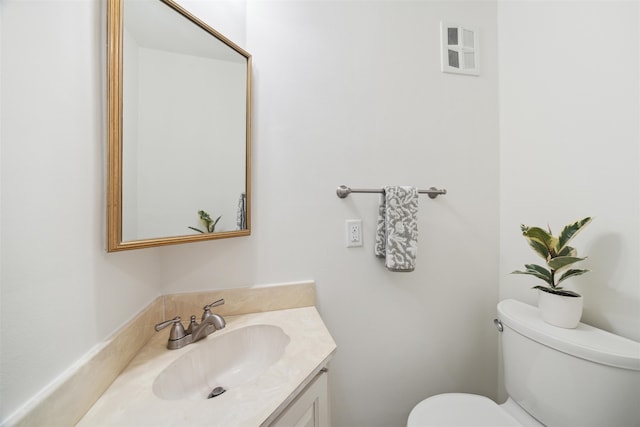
[180,337]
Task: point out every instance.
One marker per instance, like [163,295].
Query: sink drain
[216,392]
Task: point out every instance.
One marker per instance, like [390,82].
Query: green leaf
[563,261]
[204,216]
[571,273]
[212,225]
[539,248]
[537,234]
[568,251]
[536,271]
[195,229]
[570,231]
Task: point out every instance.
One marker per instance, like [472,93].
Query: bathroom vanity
[310,408]
[167,387]
[271,359]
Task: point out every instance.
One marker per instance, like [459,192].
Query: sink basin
[227,360]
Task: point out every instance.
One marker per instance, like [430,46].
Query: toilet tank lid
[584,341]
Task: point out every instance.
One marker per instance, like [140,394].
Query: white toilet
[555,377]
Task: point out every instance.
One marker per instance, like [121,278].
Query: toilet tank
[569,377]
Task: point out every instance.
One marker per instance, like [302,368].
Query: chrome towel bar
[343,191]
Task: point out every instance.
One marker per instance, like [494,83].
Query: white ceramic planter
[559,310]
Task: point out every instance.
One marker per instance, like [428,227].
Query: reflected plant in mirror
[176,87]
[209,224]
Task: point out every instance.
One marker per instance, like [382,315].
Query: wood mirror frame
[115,242]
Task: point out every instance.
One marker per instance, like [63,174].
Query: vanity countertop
[130,400]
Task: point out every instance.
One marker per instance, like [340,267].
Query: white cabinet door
[310,408]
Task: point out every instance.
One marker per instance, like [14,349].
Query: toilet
[553,377]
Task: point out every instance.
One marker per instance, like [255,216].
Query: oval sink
[226,361]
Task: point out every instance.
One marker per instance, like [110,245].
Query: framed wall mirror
[179,128]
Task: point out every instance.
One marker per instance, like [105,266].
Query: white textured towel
[397,229]
[381,229]
[241,215]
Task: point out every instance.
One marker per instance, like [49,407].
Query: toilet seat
[460,410]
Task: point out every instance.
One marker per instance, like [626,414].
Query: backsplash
[241,301]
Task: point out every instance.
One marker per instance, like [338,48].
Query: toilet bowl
[467,410]
[549,374]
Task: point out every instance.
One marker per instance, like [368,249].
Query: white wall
[569,134]
[352,93]
[61,293]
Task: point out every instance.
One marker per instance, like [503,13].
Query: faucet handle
[207,309]
[213,304]
[177,330]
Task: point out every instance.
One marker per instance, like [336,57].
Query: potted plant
[209,224]
[559,307]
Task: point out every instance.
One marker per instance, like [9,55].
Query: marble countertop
[130,401]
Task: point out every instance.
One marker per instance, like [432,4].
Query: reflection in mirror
[179,128]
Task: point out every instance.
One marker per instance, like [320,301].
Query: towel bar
[343,191]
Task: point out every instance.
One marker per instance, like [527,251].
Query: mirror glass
[179,128]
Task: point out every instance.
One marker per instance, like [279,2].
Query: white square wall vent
[459,49]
